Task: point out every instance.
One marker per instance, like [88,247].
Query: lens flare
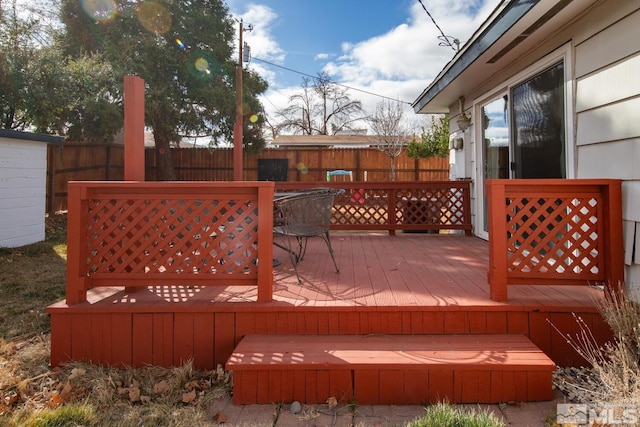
[253,118]
[202,65]
[302,168]
[154,17]
[180,44]
[100,10]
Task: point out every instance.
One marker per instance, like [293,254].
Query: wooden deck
[404,284]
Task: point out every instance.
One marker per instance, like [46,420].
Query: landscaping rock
[295,407]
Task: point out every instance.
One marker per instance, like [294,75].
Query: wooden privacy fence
[105,162]
[554,232]
[164,234]
[409,206]
[303,164]
[80,162]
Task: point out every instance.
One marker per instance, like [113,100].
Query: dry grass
[32,394]
[615,367]
[618,364]
[32,277]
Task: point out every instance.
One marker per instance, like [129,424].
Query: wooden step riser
[389,369]
[389,387]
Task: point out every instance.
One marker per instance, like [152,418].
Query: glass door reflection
[495,144]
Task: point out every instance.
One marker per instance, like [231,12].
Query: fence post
[392,210]
[265,242]
[134,129]
[497,240]
[76,291]
[466,206]
[614,246]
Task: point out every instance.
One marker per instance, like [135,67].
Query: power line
[330,81]
[445,40]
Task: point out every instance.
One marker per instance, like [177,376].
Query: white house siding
[604,73]
[607,103]
[23,168]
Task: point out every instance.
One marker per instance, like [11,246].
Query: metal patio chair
[307,214]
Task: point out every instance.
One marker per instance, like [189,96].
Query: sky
[382,49]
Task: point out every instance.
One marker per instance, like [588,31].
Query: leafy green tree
[434,141]
[16,48]
[182,49]
[42,90]
[75,98]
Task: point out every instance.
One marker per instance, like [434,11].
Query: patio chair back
[307,214]
[304,215]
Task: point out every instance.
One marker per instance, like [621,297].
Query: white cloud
[258,19]
[398,64]
[260,38]
[411,52]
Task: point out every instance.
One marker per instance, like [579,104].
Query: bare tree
[387,124]
[323,108]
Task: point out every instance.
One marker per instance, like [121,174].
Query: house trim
[505,18]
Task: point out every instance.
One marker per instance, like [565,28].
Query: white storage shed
[23,186]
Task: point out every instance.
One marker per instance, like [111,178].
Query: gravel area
[578,385]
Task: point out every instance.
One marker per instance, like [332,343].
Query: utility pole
[237,129]
[238,138]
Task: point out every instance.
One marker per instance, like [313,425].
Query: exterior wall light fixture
[463,121]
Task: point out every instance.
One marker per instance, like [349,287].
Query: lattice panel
[555,236]
[172,236]
[360,206]
[431,206]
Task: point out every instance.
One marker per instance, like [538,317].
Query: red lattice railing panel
[405,205]
[435,206]
[140,234]
[359,207]
[553,235]
[177,236]
[554,232]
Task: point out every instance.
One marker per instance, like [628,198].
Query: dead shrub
[614,374]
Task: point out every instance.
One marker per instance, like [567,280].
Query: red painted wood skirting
[388,369]
[169,339]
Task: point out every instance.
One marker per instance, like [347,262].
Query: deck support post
[497,275]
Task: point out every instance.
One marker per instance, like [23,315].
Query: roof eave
[504,17]
[28,136]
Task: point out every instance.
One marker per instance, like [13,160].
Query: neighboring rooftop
[341,141]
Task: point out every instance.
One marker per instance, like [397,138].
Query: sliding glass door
[523,131]
[539,125]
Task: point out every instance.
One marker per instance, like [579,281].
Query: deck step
[389,369]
